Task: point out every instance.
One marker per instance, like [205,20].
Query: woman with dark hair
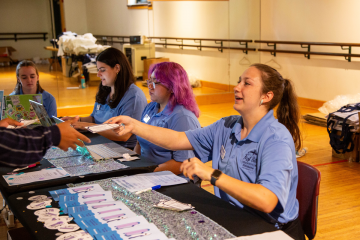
[174,107]
[27,76]
[253,155]
[117,95]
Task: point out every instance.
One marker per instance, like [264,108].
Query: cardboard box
[148,62]
[66,62]
[94,78]
[5,53]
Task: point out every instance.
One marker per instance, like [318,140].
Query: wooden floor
[55,83]
[339,201]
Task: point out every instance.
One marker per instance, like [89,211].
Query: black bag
[342,143]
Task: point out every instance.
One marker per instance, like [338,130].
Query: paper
[138,232]
[75,236]
[102,127]
[25,123]
[173,205]
[277,235]
[97,206]
[36,176]
[139,182]
[83,189]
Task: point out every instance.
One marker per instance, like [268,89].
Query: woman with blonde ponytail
[253,155]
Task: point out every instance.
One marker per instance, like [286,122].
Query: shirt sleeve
[276,168]
[133,107]
[202,140]
[21,147]
[182,124]
[52,108]
[93,112]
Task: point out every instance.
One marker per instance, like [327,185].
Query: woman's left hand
[195,167]
[82,125]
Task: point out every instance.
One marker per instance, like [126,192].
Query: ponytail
[287,112]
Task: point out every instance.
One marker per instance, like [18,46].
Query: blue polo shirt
[266,156]
[49,102]
[132,104]
[179,119]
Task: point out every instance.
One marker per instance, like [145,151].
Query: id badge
[222,152]
[98,107]
[146,118]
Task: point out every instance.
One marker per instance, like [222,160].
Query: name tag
[222,152]
[98,107]
[146,118]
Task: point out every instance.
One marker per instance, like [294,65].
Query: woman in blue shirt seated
[174,107]
[27,76]
[117,95]
[253,155]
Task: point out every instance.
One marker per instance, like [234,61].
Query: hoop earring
[261,102]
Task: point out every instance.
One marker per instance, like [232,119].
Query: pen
[30,166]
[148,189]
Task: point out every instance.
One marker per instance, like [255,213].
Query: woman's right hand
[70,118]
[127,124]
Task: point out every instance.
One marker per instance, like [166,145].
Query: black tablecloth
[135,167]
[237,221]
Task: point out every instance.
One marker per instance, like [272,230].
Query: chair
[307,195]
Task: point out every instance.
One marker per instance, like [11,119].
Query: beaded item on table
[81,165]
[55,153]
[179,225]
[71,161]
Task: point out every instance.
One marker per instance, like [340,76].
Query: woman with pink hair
[174,107]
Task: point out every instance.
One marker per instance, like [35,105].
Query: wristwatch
[215,176]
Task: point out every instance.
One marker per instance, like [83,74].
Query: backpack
[344,142]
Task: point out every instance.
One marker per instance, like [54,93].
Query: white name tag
[146,118]
[222,152]
[98,107]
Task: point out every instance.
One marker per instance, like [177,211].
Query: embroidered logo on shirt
[249,161]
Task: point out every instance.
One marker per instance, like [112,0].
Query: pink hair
[174,77]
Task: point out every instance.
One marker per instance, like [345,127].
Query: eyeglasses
[152,82]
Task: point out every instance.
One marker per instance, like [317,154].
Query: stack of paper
[142,181]
[95,211]
[36,176]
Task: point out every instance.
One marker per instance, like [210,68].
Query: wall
[320,77]
[195,19]
[75,16]
[232,19]
[112,17]
[26,16]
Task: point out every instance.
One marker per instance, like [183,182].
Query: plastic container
[302,152]
[83,81]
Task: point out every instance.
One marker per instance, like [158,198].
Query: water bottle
[82,81]
[301,152]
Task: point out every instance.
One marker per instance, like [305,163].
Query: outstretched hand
[71,119]
[126,124]
[69,136]
[8,121]
[195,167]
